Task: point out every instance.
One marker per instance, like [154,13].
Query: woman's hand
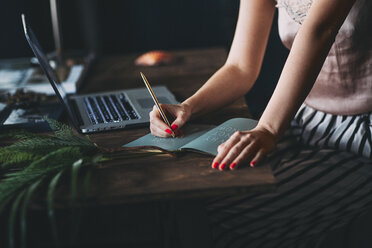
[244,147]
[181,113]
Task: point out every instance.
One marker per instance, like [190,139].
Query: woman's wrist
[267,128]
[190,106]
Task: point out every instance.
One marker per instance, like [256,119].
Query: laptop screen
[48,70]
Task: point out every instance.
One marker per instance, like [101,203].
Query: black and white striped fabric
[323,183]
[342,132]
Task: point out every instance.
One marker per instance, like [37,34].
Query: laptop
[100,111]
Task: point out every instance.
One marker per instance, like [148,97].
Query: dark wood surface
[164,177]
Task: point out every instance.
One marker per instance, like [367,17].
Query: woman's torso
[344,84]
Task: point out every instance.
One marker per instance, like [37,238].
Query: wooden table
[165,177]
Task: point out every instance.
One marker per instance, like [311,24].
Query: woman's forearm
[225,86]
[243,64]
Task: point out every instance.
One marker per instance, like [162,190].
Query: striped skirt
[323,170]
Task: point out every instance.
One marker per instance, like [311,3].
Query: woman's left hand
[244,147]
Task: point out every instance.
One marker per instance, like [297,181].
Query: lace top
[344,84]
[296,9]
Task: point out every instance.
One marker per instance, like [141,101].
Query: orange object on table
[154,58]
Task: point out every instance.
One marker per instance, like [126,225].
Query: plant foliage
[34,160]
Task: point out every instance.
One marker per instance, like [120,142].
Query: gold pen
[157,103]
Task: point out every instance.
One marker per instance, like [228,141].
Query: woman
[327,81]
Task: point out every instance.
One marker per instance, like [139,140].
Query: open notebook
[203,139]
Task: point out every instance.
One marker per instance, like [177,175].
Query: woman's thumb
[178,122]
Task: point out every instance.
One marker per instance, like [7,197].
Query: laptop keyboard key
[103,109]
[95,110]
[120,109]
[132,113]
[89,111]
[111,108]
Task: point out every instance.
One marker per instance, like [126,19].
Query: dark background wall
[113,26]
[127,26]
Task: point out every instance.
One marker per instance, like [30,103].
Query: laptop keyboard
[119,107]
[109,108]
[127,106]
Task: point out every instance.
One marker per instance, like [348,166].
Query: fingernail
[174,127]
[168,131]
[253,163]
[223,166]
[215,165]
[232,166]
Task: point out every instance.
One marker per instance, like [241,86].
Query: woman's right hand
[180,112]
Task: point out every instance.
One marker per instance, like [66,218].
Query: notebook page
[170,144]
[208,142]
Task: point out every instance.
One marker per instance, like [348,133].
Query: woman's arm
[244,62]
[307,55]
[305,60]
[238,74]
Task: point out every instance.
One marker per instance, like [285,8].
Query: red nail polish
[168,131]
[223,166]
[253,163]
[174,127]
[215,165]
[232,166]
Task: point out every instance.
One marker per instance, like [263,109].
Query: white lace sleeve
[296,9]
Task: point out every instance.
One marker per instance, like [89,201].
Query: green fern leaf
[51,215]
[65,132]
[24,206]
[10,156]
[19,134]
[15,181]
